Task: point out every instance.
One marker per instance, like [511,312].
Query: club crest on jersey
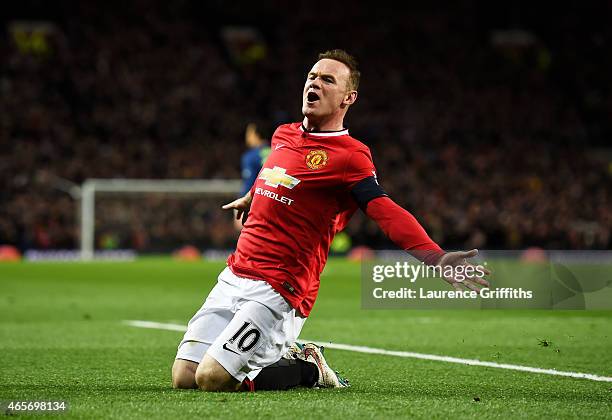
[278,176]
[316,159]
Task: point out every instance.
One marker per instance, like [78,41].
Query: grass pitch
[61,338]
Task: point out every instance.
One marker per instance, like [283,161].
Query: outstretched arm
[403,229]
[406,232]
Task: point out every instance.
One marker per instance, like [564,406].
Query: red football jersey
[301,199]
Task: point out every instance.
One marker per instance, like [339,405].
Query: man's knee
[183,374]
[211,376]
[210,380]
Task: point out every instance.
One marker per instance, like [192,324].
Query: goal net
[155,216]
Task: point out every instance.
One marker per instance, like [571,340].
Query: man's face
[251,136]
[326,89]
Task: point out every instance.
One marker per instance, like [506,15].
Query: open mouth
[312,97]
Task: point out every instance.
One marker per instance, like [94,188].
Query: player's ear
[350,97]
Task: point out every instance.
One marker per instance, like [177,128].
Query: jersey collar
[325,133]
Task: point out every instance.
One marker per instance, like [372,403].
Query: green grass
[61,339]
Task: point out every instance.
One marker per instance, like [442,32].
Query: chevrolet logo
[277,176]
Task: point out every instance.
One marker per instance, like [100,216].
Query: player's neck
[329,125]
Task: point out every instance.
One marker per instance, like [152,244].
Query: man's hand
[241,206]
[456,259]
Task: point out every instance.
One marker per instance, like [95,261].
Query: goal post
[91,187]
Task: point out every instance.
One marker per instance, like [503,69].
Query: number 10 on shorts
[245,338]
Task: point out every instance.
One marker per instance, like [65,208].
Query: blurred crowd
[491,139]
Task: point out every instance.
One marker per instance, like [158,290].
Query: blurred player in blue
[252,160]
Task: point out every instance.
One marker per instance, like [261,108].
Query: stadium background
[490,122]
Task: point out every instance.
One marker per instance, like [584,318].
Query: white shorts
[244,324]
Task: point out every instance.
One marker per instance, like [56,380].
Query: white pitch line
[408,354]
[156,325]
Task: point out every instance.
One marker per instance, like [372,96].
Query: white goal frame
[181,186]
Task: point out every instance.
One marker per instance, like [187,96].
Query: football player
[316,176]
